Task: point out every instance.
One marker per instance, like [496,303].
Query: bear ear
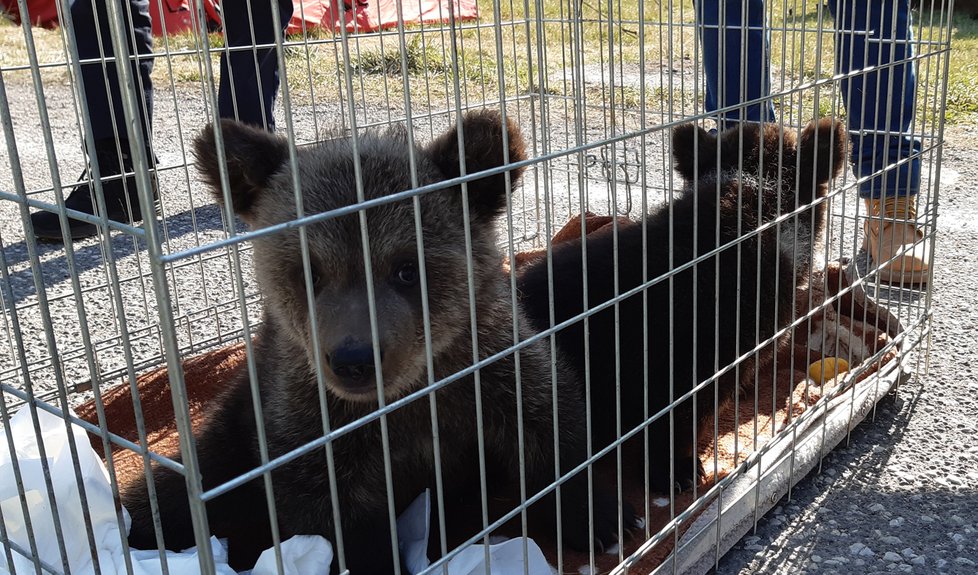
[694,150]
[824,147]
[484,149]
[252,156]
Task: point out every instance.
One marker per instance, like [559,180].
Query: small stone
[816,558]
[919,560]
[897,522]
[866,552]
[877,507]
[957,537]
[891,540]
[892,557]
[965,561]
[855,548]
[926,518]
[908,552]
[957,519]
[754,548]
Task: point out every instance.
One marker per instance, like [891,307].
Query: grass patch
[535,48]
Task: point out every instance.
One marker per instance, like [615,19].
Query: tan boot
[895,241]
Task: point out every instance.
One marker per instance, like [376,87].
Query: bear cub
[735,288]
[292,345]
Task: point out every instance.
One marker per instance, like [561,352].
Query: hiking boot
[895,241]
[121,199]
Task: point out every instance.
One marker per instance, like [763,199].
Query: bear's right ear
[694,150]
[253,156]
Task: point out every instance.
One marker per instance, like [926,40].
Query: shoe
[121,200]
[895,241]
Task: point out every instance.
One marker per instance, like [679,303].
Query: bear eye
[407,274]
[315,277]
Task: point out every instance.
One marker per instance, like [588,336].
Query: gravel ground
[900,497]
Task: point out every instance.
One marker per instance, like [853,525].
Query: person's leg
[736,59]
[250,78]
[104,114]
[875,36]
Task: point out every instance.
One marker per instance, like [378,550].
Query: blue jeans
[102,86]
[872,35]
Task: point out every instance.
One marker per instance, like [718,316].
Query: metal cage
[596,89]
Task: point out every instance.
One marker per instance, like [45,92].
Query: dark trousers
[249,78]
[90,23]
[250,98]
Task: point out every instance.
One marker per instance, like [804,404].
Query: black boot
[121,201]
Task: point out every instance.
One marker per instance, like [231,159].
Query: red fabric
[372,15]
[359,16]
[177,14]
[43,13]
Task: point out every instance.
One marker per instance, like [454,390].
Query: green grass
[532,53]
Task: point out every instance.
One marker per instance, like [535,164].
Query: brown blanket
[853,327]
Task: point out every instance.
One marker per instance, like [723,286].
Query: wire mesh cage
[450,287]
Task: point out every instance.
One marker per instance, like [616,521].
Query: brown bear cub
[740,291]
[287,360]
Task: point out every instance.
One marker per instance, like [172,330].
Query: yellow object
[825,369]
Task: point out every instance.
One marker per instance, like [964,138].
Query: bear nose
[353,362]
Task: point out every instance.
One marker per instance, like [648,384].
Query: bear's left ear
[824,148]
[694,149]
[252,155]
[484,149]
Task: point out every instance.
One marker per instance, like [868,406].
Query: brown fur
[287,358]
[741,291]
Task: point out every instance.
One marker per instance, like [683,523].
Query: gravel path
[900,497]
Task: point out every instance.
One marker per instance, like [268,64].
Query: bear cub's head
[260,182]
[794,162]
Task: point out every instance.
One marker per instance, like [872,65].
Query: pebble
[926,518]
[877,507]
[908,552]
[897,522]
[891,540]
[892,557]
[855,548]
[965,561]
[919,560]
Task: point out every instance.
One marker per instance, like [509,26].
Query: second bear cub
[287,358]
[734,271]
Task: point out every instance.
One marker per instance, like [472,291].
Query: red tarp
[371,15]
[360,15]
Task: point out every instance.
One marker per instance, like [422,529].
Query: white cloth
[301,555]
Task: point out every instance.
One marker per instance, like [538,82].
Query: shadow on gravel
[921,531]
[89,254]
